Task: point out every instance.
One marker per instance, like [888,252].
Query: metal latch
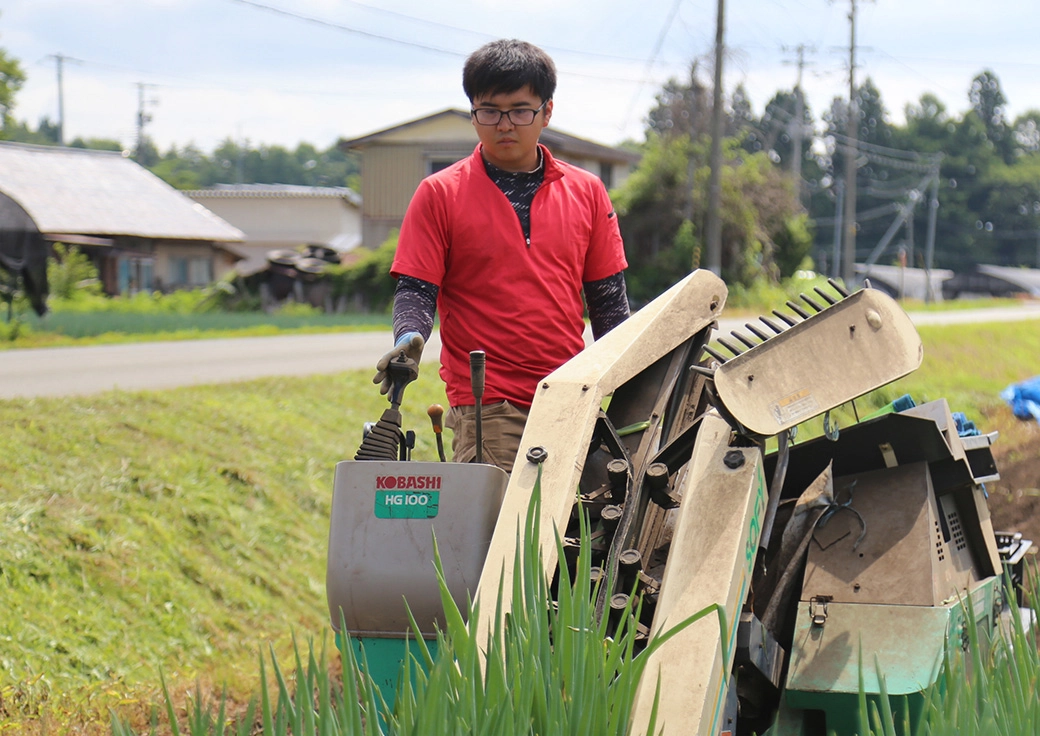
[818,609]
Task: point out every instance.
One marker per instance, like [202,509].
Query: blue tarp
[1024,398]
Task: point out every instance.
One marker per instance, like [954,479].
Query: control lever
[436,412]
[386,440]
[477,362]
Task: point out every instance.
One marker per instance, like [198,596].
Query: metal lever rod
[477,363]
[436,412]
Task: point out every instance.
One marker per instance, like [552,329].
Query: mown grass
[60,329]
[176,530]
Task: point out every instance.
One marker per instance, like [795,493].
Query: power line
[651,59]
[350,29]
[346,29]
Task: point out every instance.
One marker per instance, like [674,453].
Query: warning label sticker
[793,408]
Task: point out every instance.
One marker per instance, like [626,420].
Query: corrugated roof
[72,190]
[1027,279]
[287,191]
[908,282]
[555,139]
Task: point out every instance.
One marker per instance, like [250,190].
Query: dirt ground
[1014,500]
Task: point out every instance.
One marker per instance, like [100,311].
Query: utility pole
[60,63]
[143,117]
[714,227]
[848,265]
[839,203]
[929,244]
[797,125]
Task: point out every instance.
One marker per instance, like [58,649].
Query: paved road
[157,365]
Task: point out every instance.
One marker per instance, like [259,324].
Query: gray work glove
[410,344]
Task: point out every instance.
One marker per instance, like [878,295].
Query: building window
[606,173]
[135,274]
[178,271]
[434,165]
[200,271]
[190,271]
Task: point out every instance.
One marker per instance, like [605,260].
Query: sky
[281,72]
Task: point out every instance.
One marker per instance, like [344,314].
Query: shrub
[71,273]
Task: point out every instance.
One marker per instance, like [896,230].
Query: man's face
[508,146]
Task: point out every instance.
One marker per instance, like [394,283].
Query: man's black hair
[504,66]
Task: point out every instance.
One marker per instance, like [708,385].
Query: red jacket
[519,302]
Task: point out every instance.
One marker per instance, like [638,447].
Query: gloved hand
[410,344]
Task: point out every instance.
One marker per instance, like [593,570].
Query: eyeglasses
[518,116]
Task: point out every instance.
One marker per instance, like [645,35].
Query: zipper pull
[528,242]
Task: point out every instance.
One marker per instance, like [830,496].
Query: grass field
[179,529]
[97,328]
[185,530]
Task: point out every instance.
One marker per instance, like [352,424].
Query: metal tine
[798,310]
[715,354]
[784,318]
[831,301]
[743,339]
[756,332]
[808,300]
[771,324]
[729,347]
[838,288]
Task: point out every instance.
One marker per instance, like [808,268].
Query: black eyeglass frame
[475,114]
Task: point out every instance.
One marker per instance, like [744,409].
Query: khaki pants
[501,427]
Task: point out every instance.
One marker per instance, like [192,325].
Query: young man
[503,243]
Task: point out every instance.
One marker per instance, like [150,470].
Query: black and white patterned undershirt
[519,188]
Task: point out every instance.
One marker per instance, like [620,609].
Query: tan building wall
[273,217]
[279,222]
[389,175]
[179,264]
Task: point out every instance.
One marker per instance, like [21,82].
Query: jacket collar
[553,171]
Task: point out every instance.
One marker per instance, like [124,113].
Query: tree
[651,205]
[683,108]
[928,126]
[1026,133]
[235,163]
[988,103]
[11,80]
[765,232]
[741,118]
[94,144]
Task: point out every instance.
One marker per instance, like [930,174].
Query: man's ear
[548,113]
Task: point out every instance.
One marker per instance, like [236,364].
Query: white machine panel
[384,517]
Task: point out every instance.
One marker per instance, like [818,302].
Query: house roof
[556,140]
[1027,279]
[995,280]
[86,192]
[912,283]
[274,191]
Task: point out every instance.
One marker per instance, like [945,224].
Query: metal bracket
[818,609]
